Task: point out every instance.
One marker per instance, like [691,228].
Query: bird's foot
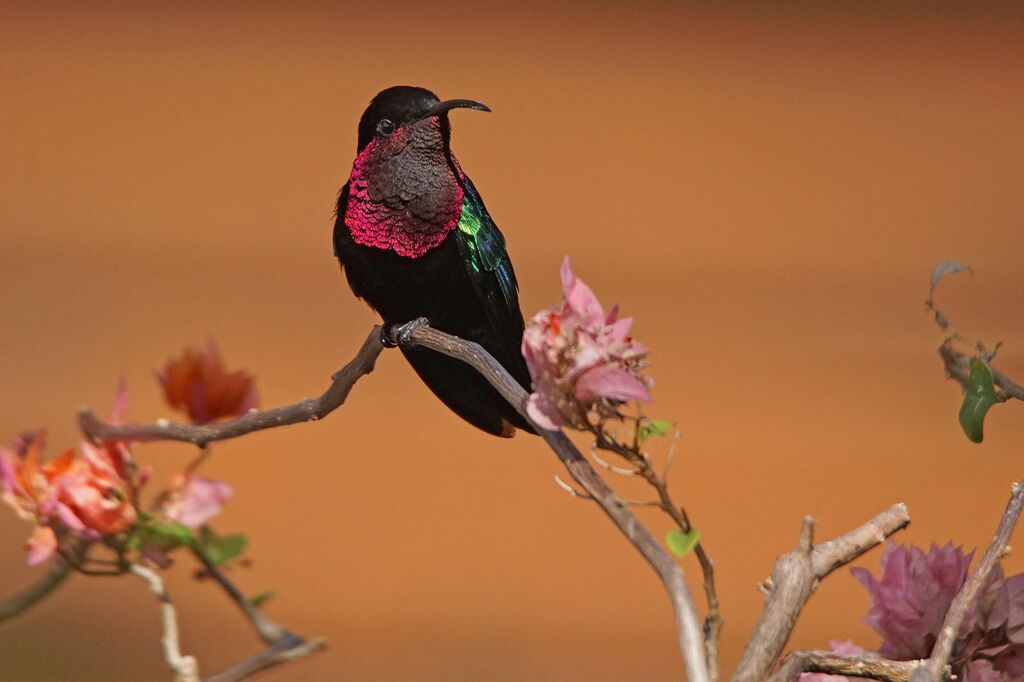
[398,333]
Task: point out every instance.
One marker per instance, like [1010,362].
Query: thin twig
[672,577]
[713,620]
[795,577]
[874,667]
[932,669]
[622,471]
[268,630]
[33,594]
[186,668]
[671,453]
[283,645]
[586,496]
[305,410]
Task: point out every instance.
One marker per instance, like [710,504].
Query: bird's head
[404,114]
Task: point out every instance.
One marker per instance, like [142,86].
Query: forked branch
[794,578]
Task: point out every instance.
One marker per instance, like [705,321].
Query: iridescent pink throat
[402,194]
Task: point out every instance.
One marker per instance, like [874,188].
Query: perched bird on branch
[415,240]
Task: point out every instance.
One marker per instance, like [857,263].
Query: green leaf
[681,543]
[980,396]
[654,427]
[165,536]
[221,549]
[259,599]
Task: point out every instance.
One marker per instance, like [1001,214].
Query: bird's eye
[385,127]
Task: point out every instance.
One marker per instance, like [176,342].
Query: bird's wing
[482,247]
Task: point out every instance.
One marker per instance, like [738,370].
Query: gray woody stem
[798,662]
[687,623]
[795,577]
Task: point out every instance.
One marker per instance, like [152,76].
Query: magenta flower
[910,600]
[195,500]
[581,359]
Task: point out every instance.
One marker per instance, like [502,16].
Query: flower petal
[40,545]
[543,411]
[120,402]
[608,381]
[199,500]
[580,297]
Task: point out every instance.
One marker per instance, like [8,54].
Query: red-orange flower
[90,496]
[198,384]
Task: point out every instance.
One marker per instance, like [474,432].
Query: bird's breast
[408,202]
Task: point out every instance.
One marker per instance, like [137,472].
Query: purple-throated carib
[415,240]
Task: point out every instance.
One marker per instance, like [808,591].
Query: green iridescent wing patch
[483,249]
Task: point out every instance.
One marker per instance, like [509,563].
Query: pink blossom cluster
[92,493]
[88,494]
[581,359]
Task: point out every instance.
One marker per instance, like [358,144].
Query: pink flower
[910,599]
[581,359]
[198,384]
[195,500]
[912,596]
[89,496]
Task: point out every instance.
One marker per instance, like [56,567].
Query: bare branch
[671,574]
[932,669]
[795,577]
[255,420]
[268,630]
[797,662]
[186,668]
[33,594]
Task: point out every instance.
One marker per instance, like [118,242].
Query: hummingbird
[415,240]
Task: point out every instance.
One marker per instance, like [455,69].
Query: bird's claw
[399,333]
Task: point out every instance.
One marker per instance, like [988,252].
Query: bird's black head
[404,105]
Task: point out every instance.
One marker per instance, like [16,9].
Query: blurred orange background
[765,188]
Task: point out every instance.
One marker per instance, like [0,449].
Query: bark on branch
[795,577]
[798,662]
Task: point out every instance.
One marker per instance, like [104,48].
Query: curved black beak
[449,104]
